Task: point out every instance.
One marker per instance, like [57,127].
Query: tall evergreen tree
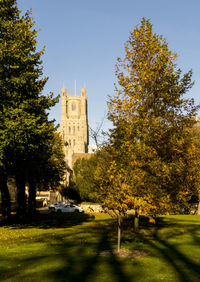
[46,170]
[24,125]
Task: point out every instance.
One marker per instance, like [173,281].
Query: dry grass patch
[124,253]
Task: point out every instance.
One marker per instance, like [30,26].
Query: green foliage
[85,180]
[71,192]
[48,166]
[24,124]
[26,135]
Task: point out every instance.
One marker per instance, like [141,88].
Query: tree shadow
[88,264]
[76,255]
[46,221]
[186,268]
[79,258]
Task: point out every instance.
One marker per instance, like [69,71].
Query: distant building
[74,125]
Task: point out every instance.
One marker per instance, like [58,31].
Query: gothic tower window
[74,130]
[69,129]
[73,107]
[66,107]
[69,142]
[78,128]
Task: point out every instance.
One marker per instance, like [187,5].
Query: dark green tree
[5,195]
[24,125]
[84,180]
[46,170]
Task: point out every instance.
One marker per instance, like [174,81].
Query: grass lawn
[67,248]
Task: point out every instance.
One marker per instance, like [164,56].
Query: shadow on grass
[76,255]
[71,257]
[171,247]
[185,268]
[90,266]
[46,221]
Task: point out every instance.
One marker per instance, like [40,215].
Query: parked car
[68,208]
[57,204]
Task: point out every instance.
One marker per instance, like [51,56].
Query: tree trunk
[5,196]
[31,198]
[136,219]
[119,235]
[21,197]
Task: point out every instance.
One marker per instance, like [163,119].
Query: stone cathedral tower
[74,124]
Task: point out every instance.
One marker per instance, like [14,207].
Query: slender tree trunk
[119,235]
[136,219]
[21,197]
[5,196]
[31,198]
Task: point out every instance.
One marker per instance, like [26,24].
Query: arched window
[78,128]
[66,107]
[69,142]
[74,142]
[69,129]
[73,106]
[73,129]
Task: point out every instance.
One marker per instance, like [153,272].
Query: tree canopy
[84,179]
[151,120]
[24,126]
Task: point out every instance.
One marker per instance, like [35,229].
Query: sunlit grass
[69,250]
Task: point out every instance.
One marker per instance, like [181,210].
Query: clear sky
[83,38]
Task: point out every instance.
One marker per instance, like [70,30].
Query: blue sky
[83,38]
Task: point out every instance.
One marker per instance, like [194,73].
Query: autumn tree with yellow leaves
[151,119]
[193,165]
[114,187]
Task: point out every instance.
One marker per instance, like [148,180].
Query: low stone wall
[97,208]
[92,208]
